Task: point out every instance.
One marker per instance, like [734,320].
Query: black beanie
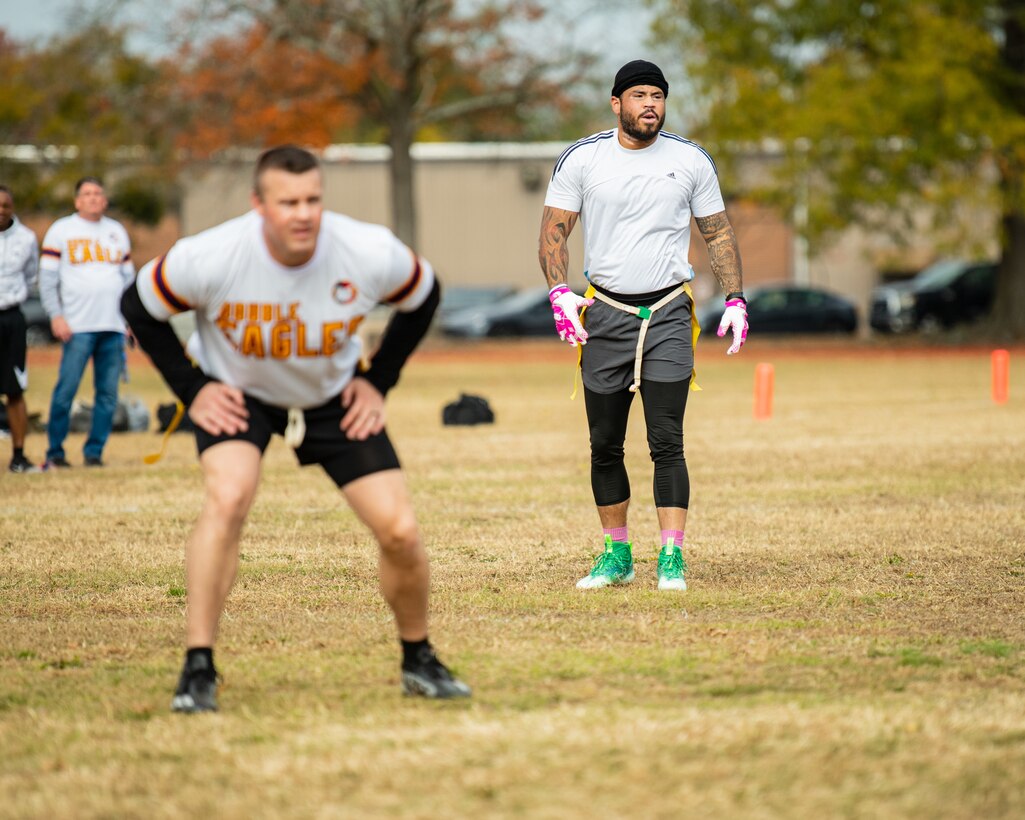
[639,72]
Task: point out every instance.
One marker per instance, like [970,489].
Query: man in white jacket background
[19,266]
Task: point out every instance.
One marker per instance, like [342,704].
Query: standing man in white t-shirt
[278,295]
[19,265]
[635,189]
[86,264]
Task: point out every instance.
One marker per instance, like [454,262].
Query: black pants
[12,352]
[607,414]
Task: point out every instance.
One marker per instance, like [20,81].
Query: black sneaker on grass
[93,461]
[20,464]
[56,462]
[429,678]
[197,687]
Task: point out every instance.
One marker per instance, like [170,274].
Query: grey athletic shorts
[607,363]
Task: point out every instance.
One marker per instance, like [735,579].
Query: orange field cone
[1001,375]
[763,391]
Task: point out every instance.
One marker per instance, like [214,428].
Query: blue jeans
[106,349]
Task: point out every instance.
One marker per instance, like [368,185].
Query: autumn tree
[884,105]
[17,100]
[405,66]
[247,89]
[89,105]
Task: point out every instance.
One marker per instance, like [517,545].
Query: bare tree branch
[426,62]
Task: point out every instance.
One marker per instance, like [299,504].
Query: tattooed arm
[553,251]
[725,258]
[723,251]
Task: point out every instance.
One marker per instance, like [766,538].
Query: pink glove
[735,315]
[566,307]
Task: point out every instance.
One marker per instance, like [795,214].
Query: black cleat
[197,687]
[93,461]
[20,464]
[429,678]
[56,462]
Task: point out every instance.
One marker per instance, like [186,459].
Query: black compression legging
[607,413]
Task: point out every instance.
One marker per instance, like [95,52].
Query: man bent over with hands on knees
[278,294]
[635,189]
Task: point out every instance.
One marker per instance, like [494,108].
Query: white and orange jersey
[83,269]
[286,336]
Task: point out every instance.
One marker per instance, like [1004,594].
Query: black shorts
[13,379]
[325,443]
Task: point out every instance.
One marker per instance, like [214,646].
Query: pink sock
[676,535]
[617,534]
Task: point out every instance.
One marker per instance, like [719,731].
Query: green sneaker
[671,567]
[614,566]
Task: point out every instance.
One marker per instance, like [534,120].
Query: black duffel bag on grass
[468,410]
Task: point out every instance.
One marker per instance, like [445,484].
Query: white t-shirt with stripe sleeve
[636,207]
[83,269]
[284,335]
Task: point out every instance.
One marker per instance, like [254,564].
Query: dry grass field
[852,645]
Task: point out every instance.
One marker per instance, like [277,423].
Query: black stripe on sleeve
[161,344]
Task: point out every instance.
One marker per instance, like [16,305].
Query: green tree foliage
[139,198]
[86,105]
[18,100]
[878,107]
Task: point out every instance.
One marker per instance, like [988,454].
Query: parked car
[454,299]
[527,313]
[788,309]
[37,323]
[944,294]
[459,297]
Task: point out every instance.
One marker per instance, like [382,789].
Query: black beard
[642,133]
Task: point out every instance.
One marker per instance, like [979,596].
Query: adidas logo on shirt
[671,175]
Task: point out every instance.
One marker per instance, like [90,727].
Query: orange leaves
[252,90]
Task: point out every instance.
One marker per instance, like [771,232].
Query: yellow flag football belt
[179,413]
[295,431]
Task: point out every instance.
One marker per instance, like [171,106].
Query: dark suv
[944,294]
